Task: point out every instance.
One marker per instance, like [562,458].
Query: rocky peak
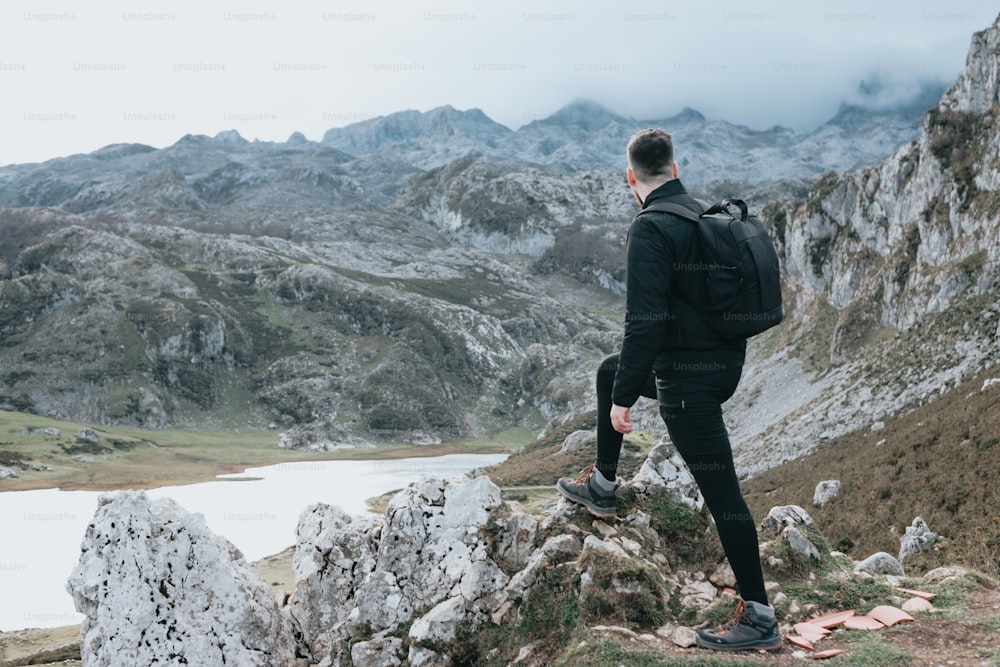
[231,137]
[297,139]
[583,114]
[978,88]
[404,128]
[687,115]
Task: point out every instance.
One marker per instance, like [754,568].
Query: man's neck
[642,190]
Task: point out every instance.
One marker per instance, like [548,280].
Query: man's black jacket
[665,329]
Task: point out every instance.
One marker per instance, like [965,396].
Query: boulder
[157,587]
[664,471]
[684,637]
[87,435]
[783,516]
[800,544]
[942,575]
[918,537]
[723,576]
[880,563]
[578,440]
[428,563]
[826,491]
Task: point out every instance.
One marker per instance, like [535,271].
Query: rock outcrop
[428,564]
[157,587]
[978,88]
[917,537]
[826,491]
[892,275]
[448,558]
[450,574]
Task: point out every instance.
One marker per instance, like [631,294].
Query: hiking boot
[752,626]
[585,491]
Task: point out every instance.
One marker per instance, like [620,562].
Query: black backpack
[742,279]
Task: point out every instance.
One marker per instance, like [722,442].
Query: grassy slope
[937,461]
[529,475]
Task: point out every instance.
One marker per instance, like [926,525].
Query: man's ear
[676,170]
[630,175]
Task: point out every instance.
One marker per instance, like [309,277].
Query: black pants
[691,407]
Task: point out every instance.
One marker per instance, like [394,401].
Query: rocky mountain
[449,277]
[585,136]
[893,279]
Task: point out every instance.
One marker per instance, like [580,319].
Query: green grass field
[139,458]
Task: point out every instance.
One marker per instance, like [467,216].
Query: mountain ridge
[351,298]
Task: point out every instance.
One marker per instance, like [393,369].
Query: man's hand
[620,419]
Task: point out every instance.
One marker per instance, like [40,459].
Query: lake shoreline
[258,516]
[49,454]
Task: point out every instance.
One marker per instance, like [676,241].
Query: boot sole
[599,513]
[760,645]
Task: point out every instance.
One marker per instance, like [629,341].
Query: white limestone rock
[880,563]
[723,576]
[578,440]
[684,637]
[87,435]
[826,491]
[665,471]
[782,516]
[378,652]
[157,587]
[440,623]
[978,88]
[800,544]
[918,537]
[515,539]
[362,578]
[334,554]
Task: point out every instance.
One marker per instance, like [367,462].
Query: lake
[42,530]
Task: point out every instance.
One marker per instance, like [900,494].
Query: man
[670,353]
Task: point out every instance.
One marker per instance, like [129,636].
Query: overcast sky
[76,76]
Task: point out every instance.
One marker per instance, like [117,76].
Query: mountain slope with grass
[892,282]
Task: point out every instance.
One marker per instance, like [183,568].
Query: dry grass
[541,464]
[938,461]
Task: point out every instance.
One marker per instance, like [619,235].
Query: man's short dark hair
[651,154]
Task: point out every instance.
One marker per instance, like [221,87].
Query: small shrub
[623,592]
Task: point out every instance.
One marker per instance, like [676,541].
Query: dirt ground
[931,640]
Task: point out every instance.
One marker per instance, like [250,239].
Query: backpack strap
[678,210]
[723,207]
